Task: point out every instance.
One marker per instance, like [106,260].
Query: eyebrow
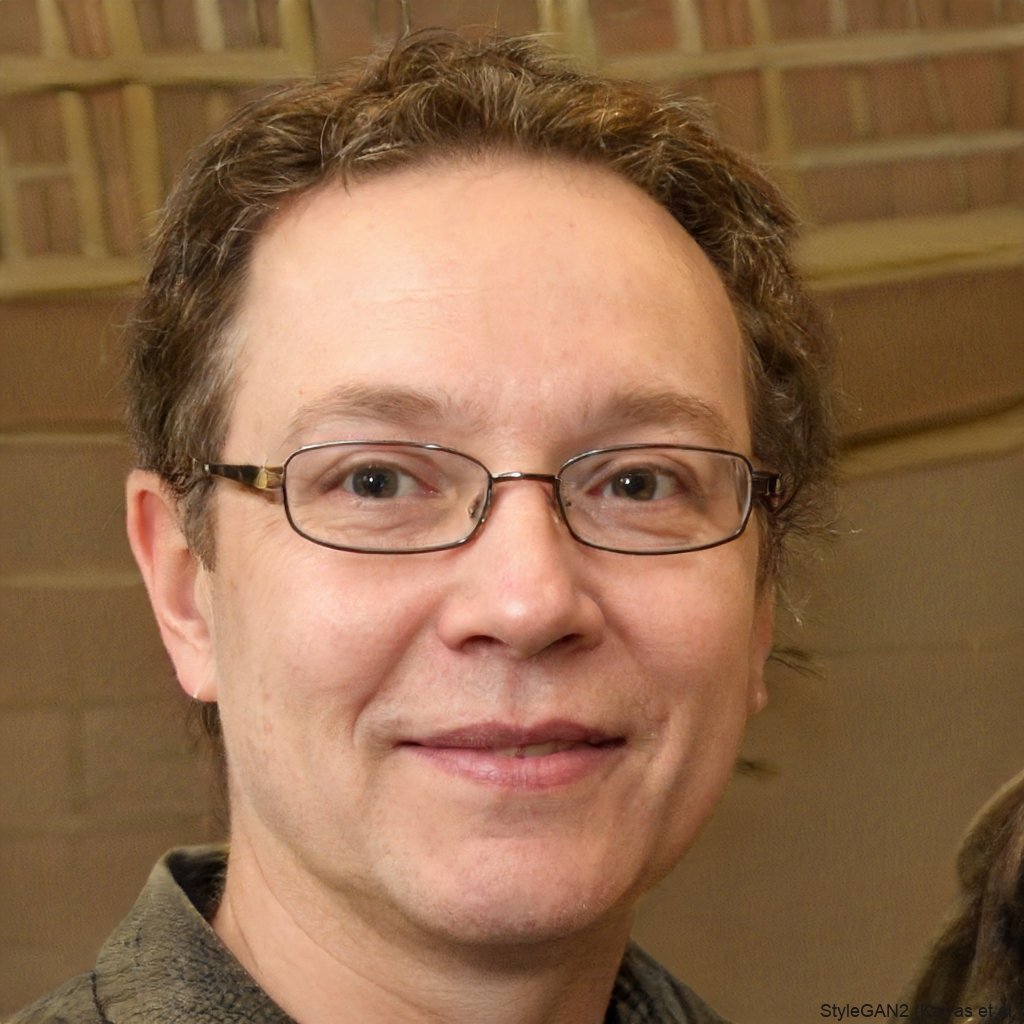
[655,407]
[412,408]
[401,406]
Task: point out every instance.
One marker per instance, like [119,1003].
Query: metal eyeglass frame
[764,486]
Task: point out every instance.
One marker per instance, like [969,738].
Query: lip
[496,754]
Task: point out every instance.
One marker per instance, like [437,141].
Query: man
[475,399]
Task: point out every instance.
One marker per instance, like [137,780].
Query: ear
[762,635]
[177,583]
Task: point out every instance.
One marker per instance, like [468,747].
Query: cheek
[310,642]
[693,633]
[695,610]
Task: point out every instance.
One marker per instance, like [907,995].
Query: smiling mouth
[544,749]
[546,756]
[502,740]
[533,749]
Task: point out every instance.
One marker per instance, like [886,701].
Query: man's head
[475,248]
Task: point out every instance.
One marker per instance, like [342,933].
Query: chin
[506,910]
[504,926]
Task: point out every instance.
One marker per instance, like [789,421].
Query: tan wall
[818,884]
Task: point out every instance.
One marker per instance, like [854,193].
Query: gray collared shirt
[164,964]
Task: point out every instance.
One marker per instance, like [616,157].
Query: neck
[322,958]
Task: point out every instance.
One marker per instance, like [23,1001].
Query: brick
[976,91]
[350,30]
[107,119]
[32,127]
[877,15]
[640,26]
[141,763]
[58,366]
[167,25]
[818,105]
[475,16]
[341,31]
[37,787]
[1016,177]
[80,644]
[839,194]
[67,511]
[725,24]
[987,177]
[182,124]
[899,99]
[86,27]
[267,18]
[738,109]
[19,27]
[1015,73]
[49,217]
[689,87]
[962,14]
[248,25]
[918,353]
[799,19]
[925,186]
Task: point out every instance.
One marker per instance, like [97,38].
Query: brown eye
[638,484]
[373,482]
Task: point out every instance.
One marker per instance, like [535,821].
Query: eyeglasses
[399,497]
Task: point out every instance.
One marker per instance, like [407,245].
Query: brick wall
[100,774]
[822,882]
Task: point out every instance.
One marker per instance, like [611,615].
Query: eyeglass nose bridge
[502,478]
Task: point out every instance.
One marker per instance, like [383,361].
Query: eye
[643,483]
[378,481]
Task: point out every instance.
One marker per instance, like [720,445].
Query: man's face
[521,312]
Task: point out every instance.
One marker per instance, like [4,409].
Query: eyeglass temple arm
[769,487]
[260,478]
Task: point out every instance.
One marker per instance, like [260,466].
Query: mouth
[536,749]
[545,756]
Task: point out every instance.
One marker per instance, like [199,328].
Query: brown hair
[439,96]
[979,957]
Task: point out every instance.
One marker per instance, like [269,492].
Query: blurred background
[897,129]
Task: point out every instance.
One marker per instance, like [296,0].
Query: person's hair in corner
[978,960]
[438,97]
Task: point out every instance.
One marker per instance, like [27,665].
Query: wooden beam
[53,275]
[298,36]
[917,147]
[33,74]
[12,239]
[85,172]
[864,48]
[1000,433]
[902,248]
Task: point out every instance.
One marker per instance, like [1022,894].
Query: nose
[520,583]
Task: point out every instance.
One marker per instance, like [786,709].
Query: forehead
[506,290]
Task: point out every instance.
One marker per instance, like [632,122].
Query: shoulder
[72,1003]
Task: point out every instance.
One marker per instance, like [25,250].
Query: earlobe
[762,636]
[176,581]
